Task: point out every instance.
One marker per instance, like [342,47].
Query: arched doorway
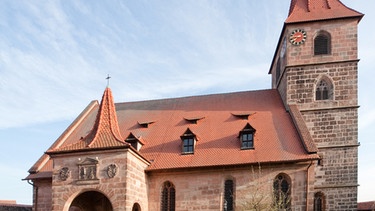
[91,201]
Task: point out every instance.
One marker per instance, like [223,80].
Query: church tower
[315,71]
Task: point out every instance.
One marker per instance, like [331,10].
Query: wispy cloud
[54,56]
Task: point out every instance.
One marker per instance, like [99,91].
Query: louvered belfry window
[228,195]
[322,44]
[168,198]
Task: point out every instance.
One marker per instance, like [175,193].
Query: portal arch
[90,200]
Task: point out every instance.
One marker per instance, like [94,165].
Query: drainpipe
[36,194]
[307,184]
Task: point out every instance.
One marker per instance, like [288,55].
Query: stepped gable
[314,10]
[104,134]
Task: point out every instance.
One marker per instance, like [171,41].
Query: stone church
[291,147]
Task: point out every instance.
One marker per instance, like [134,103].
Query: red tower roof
[104,134]
[313,10]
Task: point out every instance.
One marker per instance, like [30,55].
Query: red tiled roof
[313,10]
[104,134]
[276,137]
[368,205]
[302,129]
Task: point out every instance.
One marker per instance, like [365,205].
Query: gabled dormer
[246,136]
[135,142]
[189,140]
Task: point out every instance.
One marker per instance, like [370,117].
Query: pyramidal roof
[314,10]
[104,134]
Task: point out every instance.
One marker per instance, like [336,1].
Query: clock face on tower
[297,37]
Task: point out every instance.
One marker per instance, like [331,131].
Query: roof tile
[276,138]
[313,10]
[105,132]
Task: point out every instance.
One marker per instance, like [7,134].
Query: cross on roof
[108,77]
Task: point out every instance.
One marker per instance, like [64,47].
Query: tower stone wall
[333,122]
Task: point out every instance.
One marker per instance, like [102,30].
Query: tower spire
[105,132]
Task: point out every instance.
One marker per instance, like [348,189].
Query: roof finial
[108,77]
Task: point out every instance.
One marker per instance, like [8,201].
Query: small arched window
[322,43]
[228,195]
[282,192]
[168,197]
[319,201]
[324,90]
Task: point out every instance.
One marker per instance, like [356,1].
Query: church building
[291,147]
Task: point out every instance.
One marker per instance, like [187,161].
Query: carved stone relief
[64,173]
[112,170]
[87,169]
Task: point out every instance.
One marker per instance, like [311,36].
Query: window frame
[228,201]
[319,201]
[324,89]
[189,140]
[278,186]
[168,197]
[322,43]
[245,132]
[188,143]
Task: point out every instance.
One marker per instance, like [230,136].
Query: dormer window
[135,142]
[244,115]
[193,120]
[247,137]
[145,124]
[188,142]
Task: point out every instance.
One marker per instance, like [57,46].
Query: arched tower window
[324,89]
[322,43]
[228,195]
[282,192]
[168,197]
[136,207]
[319,201]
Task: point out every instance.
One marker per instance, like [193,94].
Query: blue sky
[55,56]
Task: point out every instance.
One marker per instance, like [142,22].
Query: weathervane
[108,77]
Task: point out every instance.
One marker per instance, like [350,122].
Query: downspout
[307,185]
[36,195]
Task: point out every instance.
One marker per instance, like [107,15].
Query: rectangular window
[228,195]
[247,141]
[188,145]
